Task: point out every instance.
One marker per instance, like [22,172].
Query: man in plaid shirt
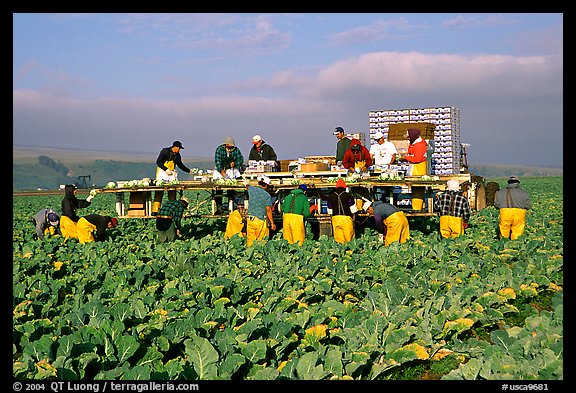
[169,219]
[454,210]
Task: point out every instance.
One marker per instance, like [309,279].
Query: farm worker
[453,209]
[261,151]
[168,159]
[342,145]
[342,206]
[259,211]
[416,156]
[391,222]
[93,227]
[295,209]
[70,204]
[383,152]
[46,222]
[235,225]
[227,157]
[513,203]
[169,219]
[357,157]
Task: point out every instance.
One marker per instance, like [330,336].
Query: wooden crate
[399,131]
[314,167]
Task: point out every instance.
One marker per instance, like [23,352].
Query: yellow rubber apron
[396,228]
[235,225]
[162,176]
[293,229]
[451,226]
[85,230]
[68,228]
[342,228]
[512,222]
[256,229]
[418,192]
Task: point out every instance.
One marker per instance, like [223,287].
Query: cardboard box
[314,167]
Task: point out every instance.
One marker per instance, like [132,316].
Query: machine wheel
[491,189]
[480,201]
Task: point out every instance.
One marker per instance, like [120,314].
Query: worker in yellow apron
[70,204]
[342,206]
[513,203]
[391,223]
[295,209]
[416,156]
[166,163]
[93,227]
[453,209]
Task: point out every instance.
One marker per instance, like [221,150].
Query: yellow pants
[293,228]
[85,230]
[396,228]
[235,225]
[451,226]
[68,228]
[418,192]
[342,228]
[512,222]
[256,229]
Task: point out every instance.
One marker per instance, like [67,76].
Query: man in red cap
[93,227]
[342,206]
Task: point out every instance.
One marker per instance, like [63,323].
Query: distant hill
[48,168]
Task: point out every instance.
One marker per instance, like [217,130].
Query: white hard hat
[378,135]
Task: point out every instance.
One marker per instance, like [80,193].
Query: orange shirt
[417,151]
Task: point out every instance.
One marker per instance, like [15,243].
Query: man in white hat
[383,152]
[259,212]
[513,203]
[261,151]
[453,209]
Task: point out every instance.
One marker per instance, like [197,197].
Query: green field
[470,308]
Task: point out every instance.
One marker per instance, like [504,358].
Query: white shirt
[382,153]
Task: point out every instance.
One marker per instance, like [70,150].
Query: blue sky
[136,82]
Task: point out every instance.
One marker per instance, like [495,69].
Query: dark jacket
[264,153]
[101,223]
[340,201]
[351,156]
[166,154]
[70,203]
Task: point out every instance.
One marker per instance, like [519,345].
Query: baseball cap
[53,218]
[378,135]
[338,130]
[340,183]
[256,138]
[303,187]
[178,144]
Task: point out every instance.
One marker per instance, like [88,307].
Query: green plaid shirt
[223,160]
[175,209]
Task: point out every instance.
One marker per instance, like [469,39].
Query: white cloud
[500,97]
